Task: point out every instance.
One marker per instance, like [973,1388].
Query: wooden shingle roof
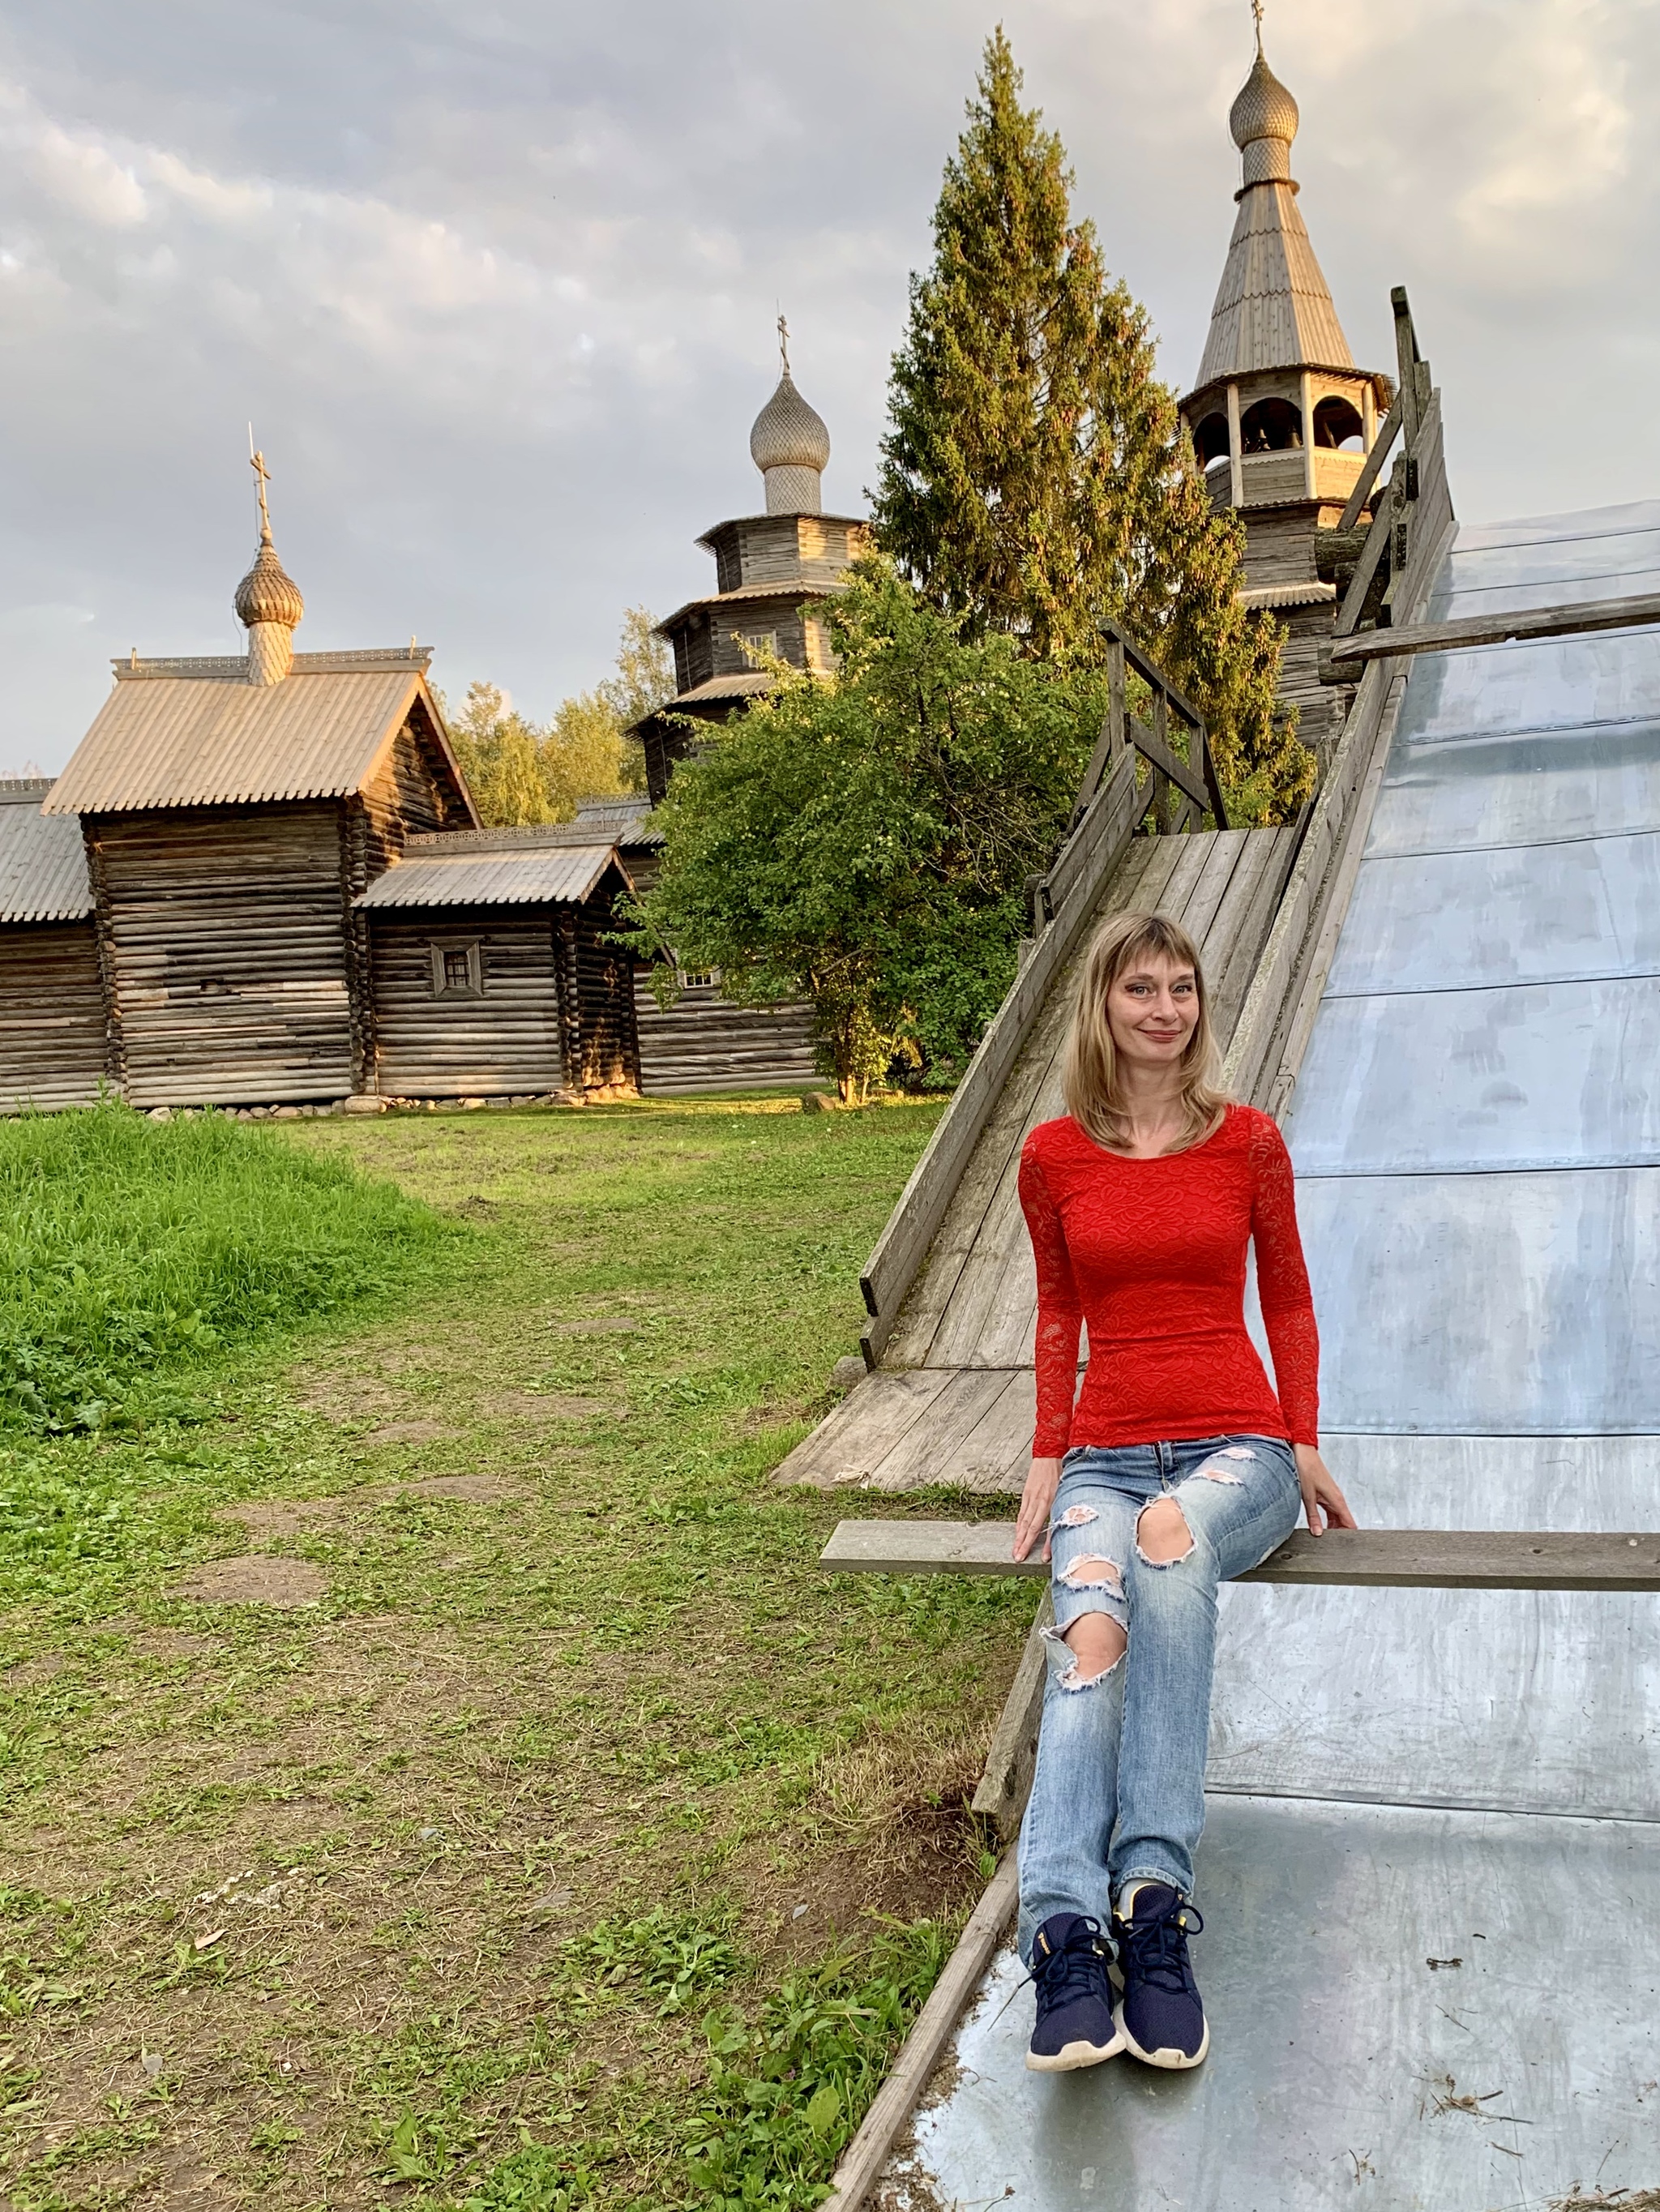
[489,868]
[195,732]
[43,862]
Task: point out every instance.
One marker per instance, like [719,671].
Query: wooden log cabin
[493,971]
[699,1040]
[1282,421]
[53,1039]
[230,810]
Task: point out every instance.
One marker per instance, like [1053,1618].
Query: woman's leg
[1225,1503]
[1068,1826]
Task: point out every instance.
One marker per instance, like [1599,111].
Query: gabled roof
[195,733]
[501,868]
[43,862]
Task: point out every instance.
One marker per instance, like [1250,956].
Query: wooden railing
[1134,777]
[1390,568]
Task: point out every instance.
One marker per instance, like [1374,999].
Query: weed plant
[130,1247]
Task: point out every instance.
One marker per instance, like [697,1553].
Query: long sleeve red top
[1151,1253]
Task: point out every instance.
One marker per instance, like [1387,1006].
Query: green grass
[584,1845]
[129,1248]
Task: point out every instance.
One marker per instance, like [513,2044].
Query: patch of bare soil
[283,1517]
[408,1433]
[473,1489]
[172,1643]
[594,1326]
[30,1672]
[258,1578]
[909,1843]
[539,1406]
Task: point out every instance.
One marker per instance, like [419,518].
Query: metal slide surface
[1431,1872]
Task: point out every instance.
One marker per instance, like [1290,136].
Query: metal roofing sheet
[747,686]
[209,739]
[43,863]
[526,875]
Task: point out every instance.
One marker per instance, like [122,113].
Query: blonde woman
[1177,1467]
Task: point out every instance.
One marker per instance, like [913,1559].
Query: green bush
[129,1247]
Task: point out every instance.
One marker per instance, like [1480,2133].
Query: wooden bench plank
[1388,1558]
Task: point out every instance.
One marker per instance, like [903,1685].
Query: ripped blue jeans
[1118,1796]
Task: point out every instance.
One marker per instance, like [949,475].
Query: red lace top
[1151,1253]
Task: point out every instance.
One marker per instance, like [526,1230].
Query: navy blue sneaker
[1160,2017]
[1075,2026]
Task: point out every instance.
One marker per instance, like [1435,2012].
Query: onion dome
[268,593]
[790,446]
[1263,120]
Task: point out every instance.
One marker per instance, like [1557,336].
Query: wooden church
[770,571]
[212,854]
[1281,418]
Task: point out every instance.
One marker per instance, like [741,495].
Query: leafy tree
[521,772]
[1037,477]
[500,757]
[862,840]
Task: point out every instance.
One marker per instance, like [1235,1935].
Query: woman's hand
[1036,1500]
[1321,1496]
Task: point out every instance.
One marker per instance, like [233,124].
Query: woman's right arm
[1060,1324]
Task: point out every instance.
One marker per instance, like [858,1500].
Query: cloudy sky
[496,283]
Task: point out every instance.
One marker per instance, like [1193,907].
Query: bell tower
[1281,418]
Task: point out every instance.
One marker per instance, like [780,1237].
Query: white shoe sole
[1072,2055]
[1173,2062]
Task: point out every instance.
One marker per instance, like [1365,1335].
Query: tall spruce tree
[1037,478]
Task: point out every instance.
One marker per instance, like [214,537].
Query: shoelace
[1156,1950]
[1069,1973]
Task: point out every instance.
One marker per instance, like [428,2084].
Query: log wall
[507,1039]
[553,1008]
[52,1015]
[409,795]
[226,942]
[704,1042]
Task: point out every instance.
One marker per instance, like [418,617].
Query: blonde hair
[1092,1081]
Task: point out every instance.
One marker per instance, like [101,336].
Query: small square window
[457,969]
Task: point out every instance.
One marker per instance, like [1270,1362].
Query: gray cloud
[497,287]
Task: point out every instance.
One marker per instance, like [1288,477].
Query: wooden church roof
[1274,306]
[197,733]
[492,867]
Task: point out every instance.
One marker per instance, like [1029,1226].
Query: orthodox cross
[784,344]
[261,478]
[1256,17]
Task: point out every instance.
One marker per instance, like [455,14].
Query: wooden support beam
[1158,755]
[1383,1559]
[862,2161]
[1373,554]
[1005,1785]
[1409,393]
[1349,654]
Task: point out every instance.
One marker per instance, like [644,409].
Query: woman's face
[1152,1010]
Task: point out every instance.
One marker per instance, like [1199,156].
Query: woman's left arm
[1287,1304]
